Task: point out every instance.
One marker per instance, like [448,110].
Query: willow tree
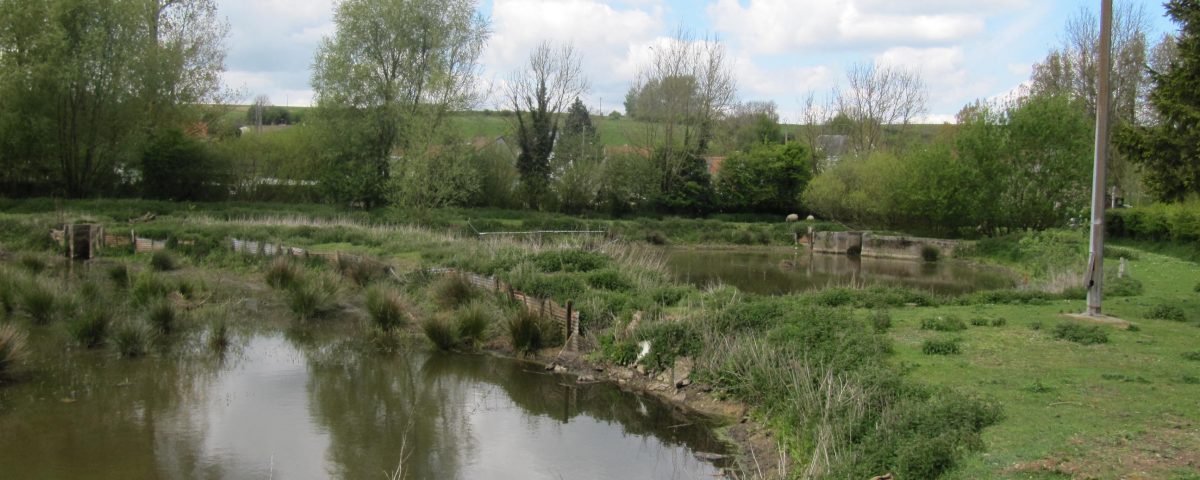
[385,83]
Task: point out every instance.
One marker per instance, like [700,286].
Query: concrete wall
[837,242]
[868,244]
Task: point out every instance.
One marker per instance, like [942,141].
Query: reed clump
[13,349]
[90,328]
[282,273]
[39,302]
[452,291]
[386,308]
[440,332]
[132,338]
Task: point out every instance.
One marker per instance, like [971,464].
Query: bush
[751,316]
[13,349]
[385,308]
[609,279]
[570,261]
[655,237]
[439,331]
[452,291]
[941,347]
[881,320]
[39,302]
[930,253]
[980,322]
[282,273]
[669,339]
[943,324]
[999,322]
[161,316]
[163,261]
[1080,333]
[1193,356]
[471,323]
[132,338]
[1167,312]
[619,352]
[1123,287]
[90,328]
[560,287]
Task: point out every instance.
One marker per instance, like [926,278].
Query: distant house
[831,148]
[714,164]
[498,145]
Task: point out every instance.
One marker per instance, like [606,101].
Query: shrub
[148,288]
[669,296]
[980,322]
[1123,287]
[471,323]
[668,340]
[439,331]
[619,352]
[999,322]
[161,316]
[881,320]
[282,273]
[609,279]
[452,291]
[526,331]
[385,308]
[947,323]
[943,346]
[750,316]
[13,349]
[1080,333]
[569,261]
[930,253]
[1193,356]
[132,338]
[163,261]
[34,264]
[561,287]
[655,237]
[1167,312]
[1196,288]
[1035,326]
[39,302]
[89,328]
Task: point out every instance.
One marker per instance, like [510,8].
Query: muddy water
[285,406]
[782,271]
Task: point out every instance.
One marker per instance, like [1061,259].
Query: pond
[288,406]
[783,271]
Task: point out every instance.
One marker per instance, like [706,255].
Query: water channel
[284,406]
[783,271]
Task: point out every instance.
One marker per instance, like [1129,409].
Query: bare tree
[552,79]
[877,96]
[813,120]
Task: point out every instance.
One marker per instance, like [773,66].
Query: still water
[783,271]
[289,407]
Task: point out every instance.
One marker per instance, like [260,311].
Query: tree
[768,178]
[577,161]
[751,124]
[1169,152]
[385,83]
[176,167]
[877,96]
[554,76]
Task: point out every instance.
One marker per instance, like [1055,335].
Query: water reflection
[308,406]
[777,272]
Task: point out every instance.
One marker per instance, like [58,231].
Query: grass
[32,263]
[132,338]
[13,349]
[119,275]
[282,273]
[1164,311]
[218,334]
[163,261]
[943,323]
[1081,334]
[440,332]
[91,327]
[525,331]
[942,346]
[39,302]
[385,308]
[471,322]
[312,298]
[452,291]
[161,316]
[148,288]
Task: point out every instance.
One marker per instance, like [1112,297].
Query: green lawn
[1126,409]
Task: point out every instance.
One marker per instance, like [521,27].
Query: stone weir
[869,244]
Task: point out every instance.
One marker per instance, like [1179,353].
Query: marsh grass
[34,264]
[163,261]
[472,321]
[218,333]
[386,308]
[132,338]
[148,288]
[282,273]
[119,275]
[39,302]
[440,332]
[90,327]
[13,349]
[452,291]
[526,331]
[162,317]
[312,297]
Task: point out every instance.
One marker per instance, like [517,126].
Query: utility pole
[1095,272]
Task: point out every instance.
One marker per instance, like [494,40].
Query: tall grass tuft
[90,328]
[218,333]
[385,308]
[881,320]
[13,349]
[148,288]
[471,323]
[161,316]
[34,264]
[440,332]
[452,291]
[163,261]
[119,275]
[282,273]
[311,297]
[132,338]
[1167,312]
[39,302]
[1080,333]
[525,331]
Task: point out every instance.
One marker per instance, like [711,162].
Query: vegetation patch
[13,349]
[163,261]
[91,327]
[39,302]
[440,332]
[880,320]
[1169,312]
[1080,333]
[471,323]
[570,261]
[282,273]
[161,316]
[943,323]
[669,340]
[386,308]
[452,291]
[132,338]
[941,346]
[1126,286]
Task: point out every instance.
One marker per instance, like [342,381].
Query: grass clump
[609,279]
[452,291]
[1080,333]
[90,328]
[980,322]
[668,340]
[1167,312]
[13,349]
[881,320]
[999,322]
[941,346]
[161,316]
[218,334]
[38,302]
[619,352]
[930,253]
[1126,286]
[33,263]
[119,275]
[282,273]
[385,308]
[527,331]
[148,288]
[362,272]
[947,323]
[311,298]
[570,261]
[1193,356]
[132,339]
[471,323]
[163,261]
[439,332]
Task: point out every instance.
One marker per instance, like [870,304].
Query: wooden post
[572,326]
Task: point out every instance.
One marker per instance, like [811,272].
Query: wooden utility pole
[1095,272]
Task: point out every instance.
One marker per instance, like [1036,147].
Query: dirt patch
[1158,453]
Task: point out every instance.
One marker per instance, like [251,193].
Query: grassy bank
[855,382]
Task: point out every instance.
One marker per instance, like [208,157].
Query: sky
[781,50]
